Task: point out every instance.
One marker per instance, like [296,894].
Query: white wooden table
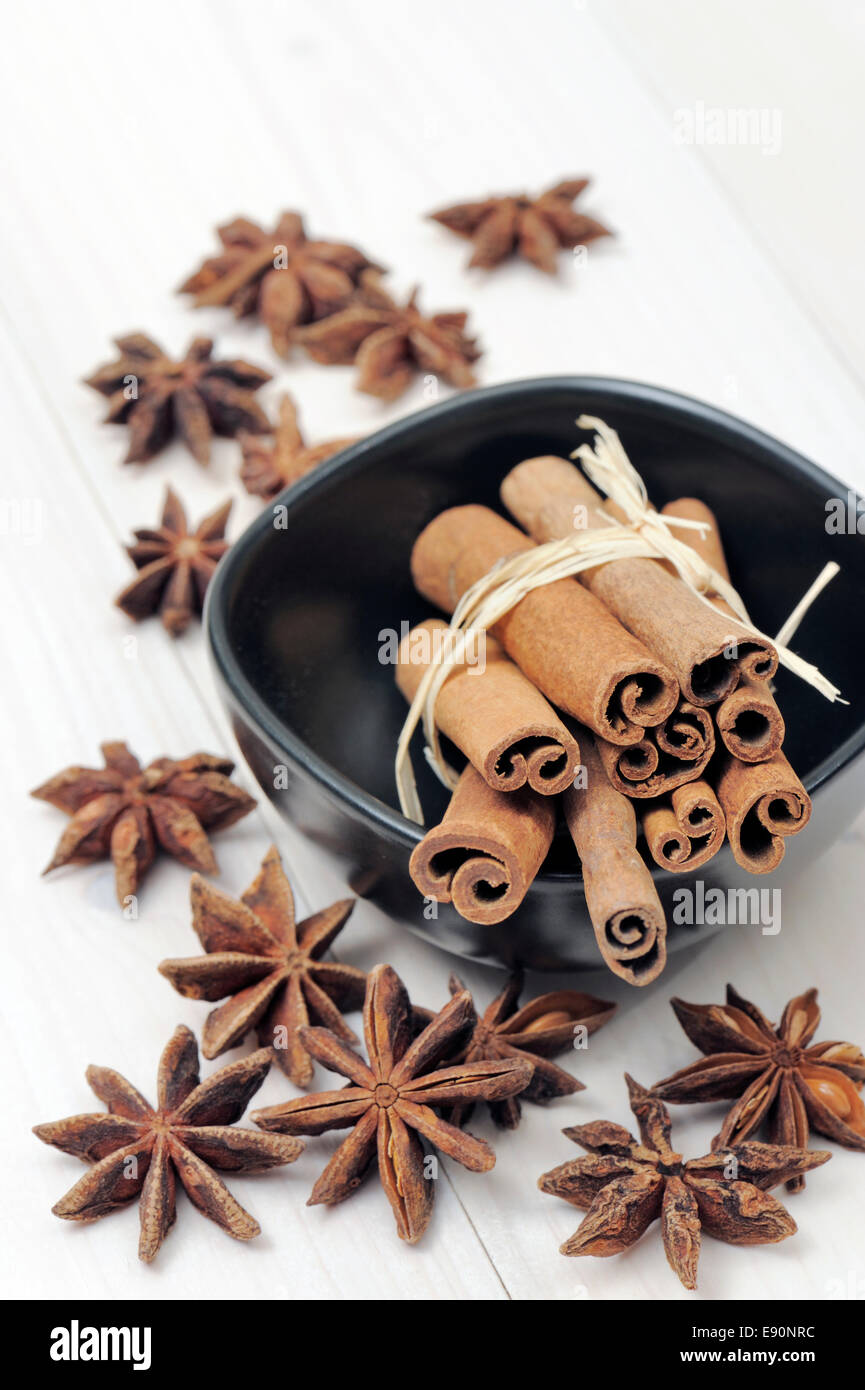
[736,276]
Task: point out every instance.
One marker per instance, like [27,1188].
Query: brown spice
[390,343]
[686,829]
[193,398]
[282,276]
[126,812]
[267,967]
[676,751]
[175,565]
[542,1029]
[389,1102]
[625,1184]
[138,1151]
[535,228]
[763,804]
[275,461]
[779,1079]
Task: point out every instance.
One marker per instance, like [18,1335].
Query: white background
[128,133]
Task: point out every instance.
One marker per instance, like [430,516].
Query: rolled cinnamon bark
[763,803]
[676,752]
[494,714]
[562,638]
[692,640]
[622,901]
[750,724]
[486,852]
[685,830]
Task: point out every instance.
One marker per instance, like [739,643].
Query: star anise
[389,1101]
[536,228]
[389,343]
[777,1077]
[193,398]
[625,1184]
[541,1029]
[125,812]
[175,565]
[271,464]
[268,968]
[280,275]
[139,1151]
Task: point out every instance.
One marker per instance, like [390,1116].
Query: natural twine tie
[646,533]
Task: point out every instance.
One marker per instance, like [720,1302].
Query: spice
[763,804]
[621,898]
[779,1079]
[675,752]
[267,967]
[544,1028]
[280,275]
[275,461]
[563,639]
[551,498]
[625,1184]
[685,830]
[126,812]
[389,1103]
[193,398]
[534,228]
[175,565]
[750,724]
[390,343]
[485,854]
[510,734]
[138,1151]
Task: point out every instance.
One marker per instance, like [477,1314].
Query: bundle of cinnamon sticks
[619,694]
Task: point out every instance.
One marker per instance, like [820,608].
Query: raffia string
[646,534]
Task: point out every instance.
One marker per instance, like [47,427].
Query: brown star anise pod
[625,1184]
[269,967]
[389,343]
[280,275]
[175,565]
[193,398]
[537,228]
[125,812]
[774,1073]
[271,464]
[139,1151]
[389,1101]
[541,1029]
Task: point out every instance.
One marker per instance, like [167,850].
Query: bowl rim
[697,414]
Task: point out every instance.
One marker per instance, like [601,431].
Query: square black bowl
[297,608]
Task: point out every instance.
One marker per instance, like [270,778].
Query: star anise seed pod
[773,1073]
[176,565]
[389,343]
[193,398]
[389,1101]
[625,1184]
[125,813]
[281,276]
[268,969]
[540,1030]
[271,464]
[536,228]
[139,1151]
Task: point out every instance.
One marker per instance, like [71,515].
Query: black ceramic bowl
[296,612]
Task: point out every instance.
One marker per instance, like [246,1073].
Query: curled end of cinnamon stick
[763,803]
[686,831]
[750,724]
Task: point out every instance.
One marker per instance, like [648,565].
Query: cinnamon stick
[685,830]
[750,724]
[494,715]
[621,898]
[486,852]
[676,752]
[763,803]
[563,638]
[551,498]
